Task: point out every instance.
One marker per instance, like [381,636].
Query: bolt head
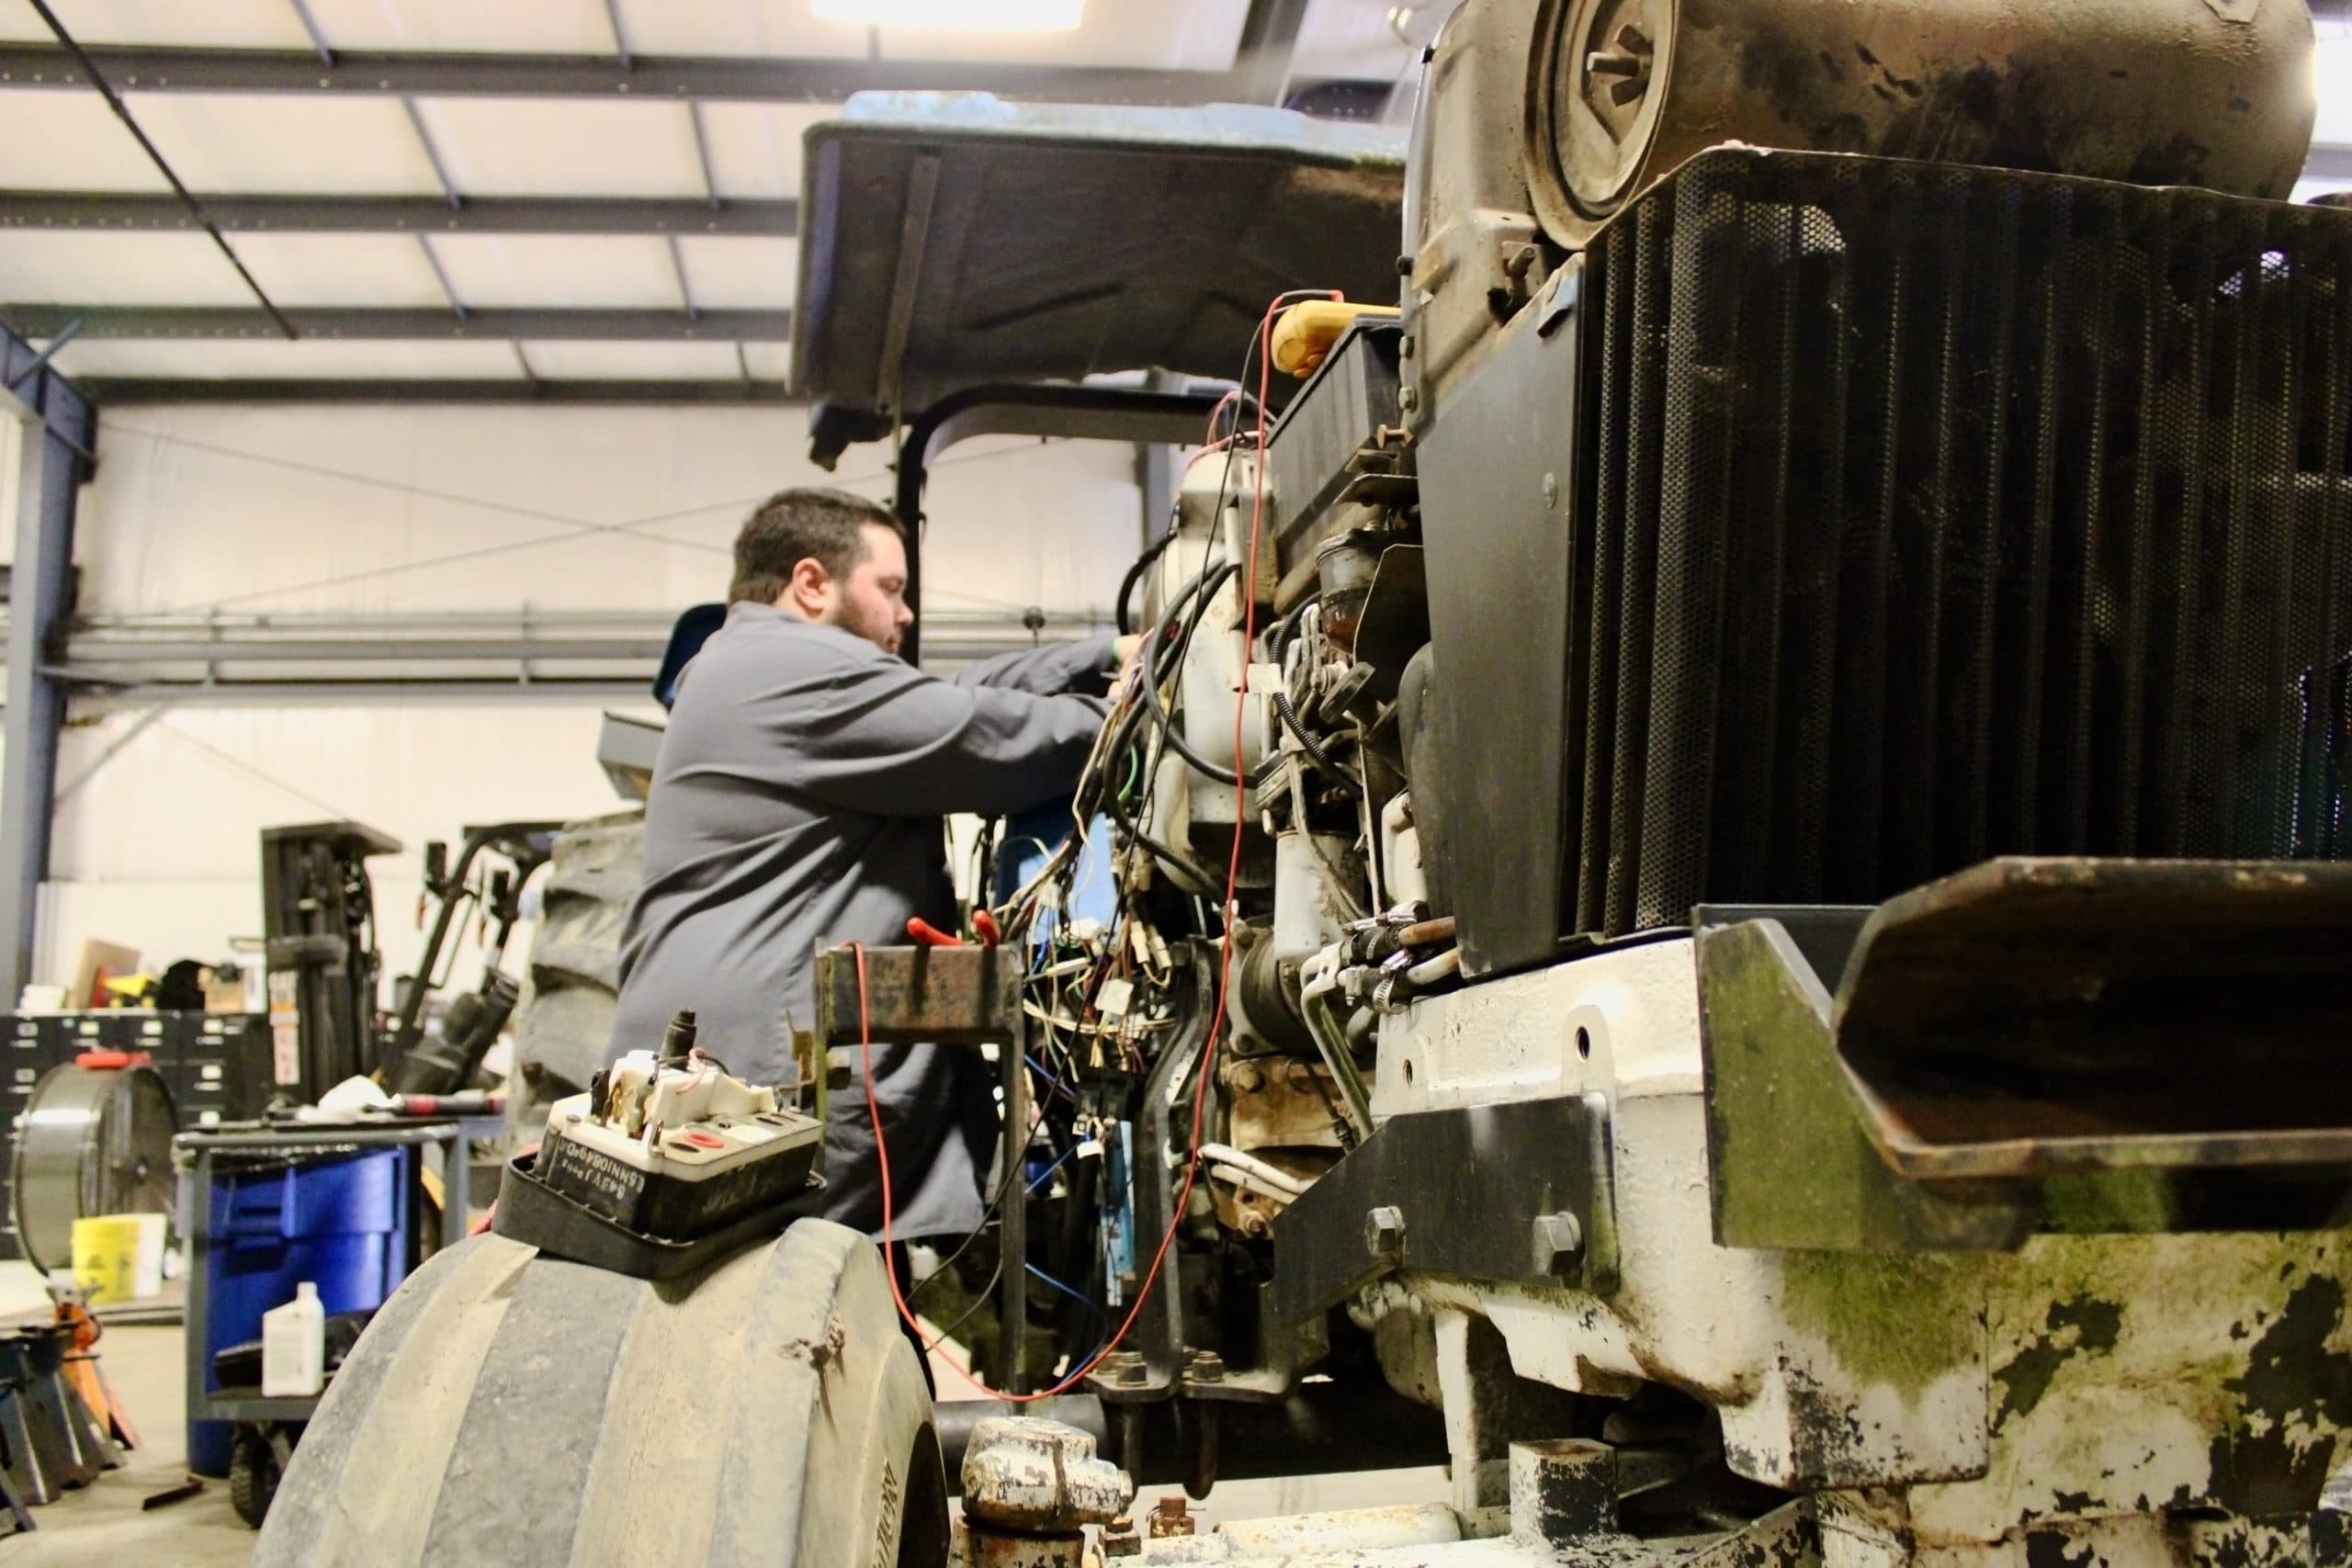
[1384,1232]
[1406,397]
[1558,1243]
[1551,491]
[1614,68]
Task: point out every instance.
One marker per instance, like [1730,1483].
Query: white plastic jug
[294,1345]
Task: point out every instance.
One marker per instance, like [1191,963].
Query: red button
[703,1140]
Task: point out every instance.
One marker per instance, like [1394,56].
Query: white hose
[1283,1181]
[1444,967]
[1249,1183]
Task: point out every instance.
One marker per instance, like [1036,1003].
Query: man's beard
[839,615]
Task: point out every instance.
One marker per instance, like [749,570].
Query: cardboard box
[99,960]
[233,988]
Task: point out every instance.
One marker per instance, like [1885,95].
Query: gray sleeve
[893,741]
[1048,671]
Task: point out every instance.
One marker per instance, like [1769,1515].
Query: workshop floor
[104,1526]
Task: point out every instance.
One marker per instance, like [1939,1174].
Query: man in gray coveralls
[798,800]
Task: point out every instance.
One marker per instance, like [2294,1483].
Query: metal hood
[952,238]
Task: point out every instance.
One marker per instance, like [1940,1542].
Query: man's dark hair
[793,526]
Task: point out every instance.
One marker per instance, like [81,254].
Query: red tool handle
[929,935]
[985,924]
[103,1060]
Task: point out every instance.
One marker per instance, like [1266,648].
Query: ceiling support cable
[196,207]
[317,37]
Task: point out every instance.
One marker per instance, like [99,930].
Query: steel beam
[1269,39]
[260,659]
[131,212]
[662,78]
[1156,474]
[57,430]
[40,320]
[1157,478]
[343,692]
[121,390]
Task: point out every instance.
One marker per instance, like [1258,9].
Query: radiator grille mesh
[1933,512]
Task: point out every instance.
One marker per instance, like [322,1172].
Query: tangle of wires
[1098,992]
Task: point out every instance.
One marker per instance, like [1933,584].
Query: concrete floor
[103,1525]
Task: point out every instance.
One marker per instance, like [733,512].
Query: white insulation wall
[390,508]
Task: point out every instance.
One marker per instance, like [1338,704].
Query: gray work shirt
[799,801]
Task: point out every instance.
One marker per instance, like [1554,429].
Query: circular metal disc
[94,1140]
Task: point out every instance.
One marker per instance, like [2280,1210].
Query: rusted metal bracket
[2027,1017]
[946,996]
[927,996]
[2076,1045]
[1514,1192]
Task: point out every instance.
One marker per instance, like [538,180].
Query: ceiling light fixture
[956,16]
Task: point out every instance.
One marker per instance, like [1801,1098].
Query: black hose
[1175,860]
[1074,1253]
[1217,772]
[1151,671]
[1289,627]
[1205,587]
[1156,654]
[1197,592]
[1321,759]
[1122,609]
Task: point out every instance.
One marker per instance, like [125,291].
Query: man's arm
[894,741]
[1079,667]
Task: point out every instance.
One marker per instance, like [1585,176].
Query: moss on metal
[1792,1166]
[1904,1322]
[2094,1201]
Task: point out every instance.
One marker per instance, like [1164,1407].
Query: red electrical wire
[1225,953]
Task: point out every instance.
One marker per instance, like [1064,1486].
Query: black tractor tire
[565,1021]
[506,1408]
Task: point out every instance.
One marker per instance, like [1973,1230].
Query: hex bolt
[1557,1242]
[1406,397]
[1384,1232]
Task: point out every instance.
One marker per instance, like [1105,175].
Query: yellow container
[120,1257]
[1305,332]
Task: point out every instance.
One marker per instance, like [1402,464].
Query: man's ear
[808,585]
